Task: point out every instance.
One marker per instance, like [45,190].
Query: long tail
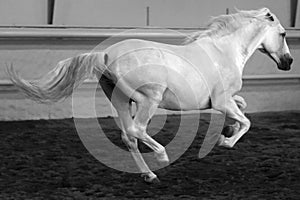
[59,83]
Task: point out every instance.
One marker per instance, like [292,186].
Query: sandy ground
[45,159]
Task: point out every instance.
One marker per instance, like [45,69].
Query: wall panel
[29,12]
[297,21]
[133,13]
[105,13]
[195,13]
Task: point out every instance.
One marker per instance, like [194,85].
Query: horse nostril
[291,61]
[288,58]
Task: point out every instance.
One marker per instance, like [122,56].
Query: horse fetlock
[225,142]
[162,156]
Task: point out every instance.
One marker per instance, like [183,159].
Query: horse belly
[185,97]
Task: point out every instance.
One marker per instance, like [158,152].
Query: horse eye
[270,17]
[283,34]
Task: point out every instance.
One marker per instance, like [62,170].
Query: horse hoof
[155,181]
[228,131]
[150,179]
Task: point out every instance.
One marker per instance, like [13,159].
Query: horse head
[274,43]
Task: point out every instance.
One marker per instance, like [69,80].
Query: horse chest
[231,78]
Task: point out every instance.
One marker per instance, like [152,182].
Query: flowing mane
[225,24]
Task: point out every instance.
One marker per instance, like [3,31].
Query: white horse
[175,77]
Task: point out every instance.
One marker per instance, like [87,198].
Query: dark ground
[45,159]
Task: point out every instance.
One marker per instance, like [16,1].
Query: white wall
[162,13]
[18,12]
[133,13]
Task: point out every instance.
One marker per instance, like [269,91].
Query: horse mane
[225,24]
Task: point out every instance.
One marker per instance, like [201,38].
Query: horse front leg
[232,110]
[240,101]
[230,129]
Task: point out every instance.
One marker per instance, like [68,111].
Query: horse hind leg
[122,105]
[145,110]
[131,142]
[132,145]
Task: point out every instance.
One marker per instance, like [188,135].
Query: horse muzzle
[285,62]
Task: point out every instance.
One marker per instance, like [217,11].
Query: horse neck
[240,45]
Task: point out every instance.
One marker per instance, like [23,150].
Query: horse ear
[270,17]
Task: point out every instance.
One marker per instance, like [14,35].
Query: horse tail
[62,80]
